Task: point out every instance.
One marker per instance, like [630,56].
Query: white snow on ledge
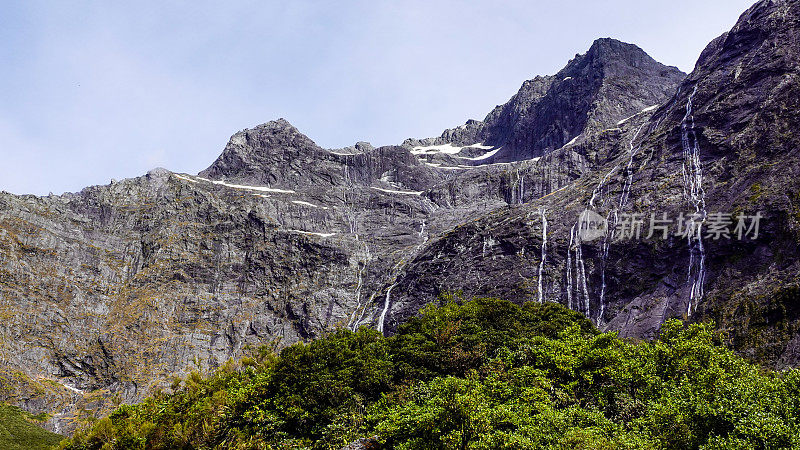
[648,109]
[76,390]
[448,149]
[392,191]
[185,178]
[439,166]
[239,186]
[486,155]
[73,389]
[324,235]
[310,205]
[480,146]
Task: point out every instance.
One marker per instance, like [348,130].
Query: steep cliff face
[106,293]
[722,144]
[613,80]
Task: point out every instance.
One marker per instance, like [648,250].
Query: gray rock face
[613,80]
[735,114]
[106,293]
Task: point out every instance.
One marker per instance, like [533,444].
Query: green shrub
[484,374]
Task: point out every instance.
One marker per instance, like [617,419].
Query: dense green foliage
[486,374]
[18,430]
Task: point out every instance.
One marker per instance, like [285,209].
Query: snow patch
[247,187]
[310,205]
[567,79]
[73,389]
[393,191]
[185,178]
[325,235]
[448,149]
[76,390]
[480,146]
[648,109]
[457,167]
[485,155]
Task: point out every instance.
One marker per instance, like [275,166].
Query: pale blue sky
[91,91]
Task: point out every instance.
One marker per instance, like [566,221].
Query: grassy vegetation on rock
[19,431]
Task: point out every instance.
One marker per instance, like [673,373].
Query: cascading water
[598,196]
[569,267]
[632,152]
[360,283]
[611,221]
[695,196]
[382,317]
[580,269]
[361,320]
[515,193]
[352,323]
[543,212]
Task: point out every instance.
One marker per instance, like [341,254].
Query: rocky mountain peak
[613,80]
[280,240]
[609,50]
[263,153]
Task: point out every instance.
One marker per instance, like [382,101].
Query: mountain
[724,143]
[109,292]
[612,80]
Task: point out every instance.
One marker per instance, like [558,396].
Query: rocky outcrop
[722,144]
[610,82]
[107,293]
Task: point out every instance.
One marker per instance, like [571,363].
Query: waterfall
[358,298]
[695,197]
[352,322]
[360,320]
[515,190]
[350,214]
[385,307]
[598,198]
[612,217]
[569,267]
[580,275]
[598,191]
[581,285]
[632,151]
[544,253]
